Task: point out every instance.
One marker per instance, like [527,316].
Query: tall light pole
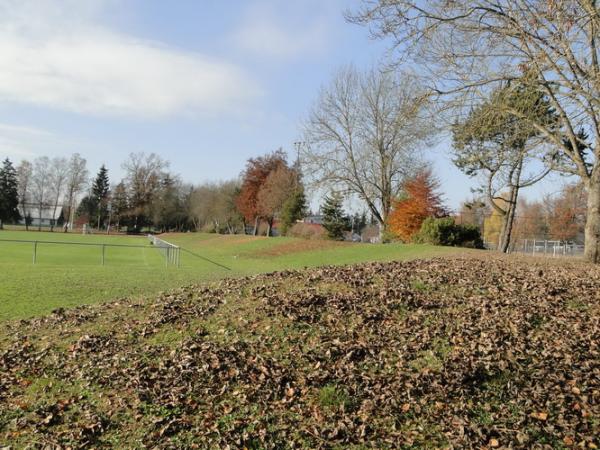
[109,216]
[99,210]
[298,145]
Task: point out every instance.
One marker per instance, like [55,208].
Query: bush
[307,231]
[208,227]
[445,231]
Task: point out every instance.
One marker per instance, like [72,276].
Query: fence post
[34,251]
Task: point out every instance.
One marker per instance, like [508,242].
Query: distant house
[315,219]
[45,217]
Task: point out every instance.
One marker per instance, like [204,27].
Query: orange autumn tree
[421,200]
[566,213]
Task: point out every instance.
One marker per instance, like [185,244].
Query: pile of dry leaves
[445,353]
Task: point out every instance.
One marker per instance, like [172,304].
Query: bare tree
[77,179]
[24,176]
[40,183]
[143,175]
[213,205]
[58,177]
[467,48]
[364,135]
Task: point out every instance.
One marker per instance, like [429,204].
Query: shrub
[445,231]
[208,227]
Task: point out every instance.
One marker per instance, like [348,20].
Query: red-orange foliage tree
[421,200]
[254,176]
[566,213]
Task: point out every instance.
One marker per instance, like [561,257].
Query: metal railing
[171,252]
[102,247]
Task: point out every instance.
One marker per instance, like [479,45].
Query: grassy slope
[67,276]
[450,353]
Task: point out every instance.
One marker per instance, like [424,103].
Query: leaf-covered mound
[446,353]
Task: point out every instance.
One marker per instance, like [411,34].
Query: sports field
[70,275]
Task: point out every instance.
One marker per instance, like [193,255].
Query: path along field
[447,353]
[67,276]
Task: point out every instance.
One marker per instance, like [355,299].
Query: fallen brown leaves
[447,353]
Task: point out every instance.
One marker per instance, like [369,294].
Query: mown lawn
[67,275]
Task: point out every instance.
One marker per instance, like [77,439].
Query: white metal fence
[549,248]
[170,252]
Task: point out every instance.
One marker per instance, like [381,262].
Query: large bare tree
[40,183]
[77,179]
[25,176]
[213,205]
[364,136]
[143,175]
[58,177]
[466,48]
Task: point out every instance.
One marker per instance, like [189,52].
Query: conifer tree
[100,191]
[9,194]
[293,209]
[334,220]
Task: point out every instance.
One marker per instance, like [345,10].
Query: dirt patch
[298,246]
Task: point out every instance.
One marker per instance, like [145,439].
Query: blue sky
[206,84]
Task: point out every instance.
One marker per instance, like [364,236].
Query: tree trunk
[381,233]
[255,232]
[509,220]
[269,227]
[53,220]
[592,224]
[69,218]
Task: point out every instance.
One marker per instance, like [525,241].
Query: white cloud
[266,31]
[20,142]
[64,61]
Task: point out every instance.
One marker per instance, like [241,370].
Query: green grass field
[68,275]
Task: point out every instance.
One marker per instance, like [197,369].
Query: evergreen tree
[87,208]
[100,191]
[334,219]
[9,194]
[294,209]
[167,205]
[358,222]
